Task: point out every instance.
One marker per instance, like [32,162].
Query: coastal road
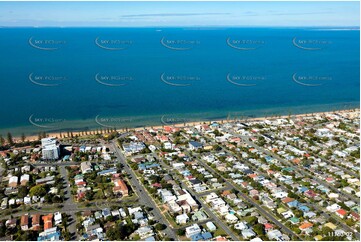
[143,195]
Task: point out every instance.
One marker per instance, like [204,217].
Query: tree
[160,227]
[22,191]
[2,140]
[258,228]
[112,234]
[56,199]
[89,195]
[38,190]
[48,198]
[2,228]
[66,235]
[252,220]
[23,137]
[181,232]
[25,236]
[10,139]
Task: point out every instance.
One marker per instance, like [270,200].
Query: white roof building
[248,233]
[24,178]
[48,141]
[274,234]
[241,226]
[57,218]
[192,230]
[211,227]
[86,167]
[231,218]
[27,200]
[13,181]
[50,148]
[182,219]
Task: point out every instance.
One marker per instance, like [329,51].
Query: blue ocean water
[85,78]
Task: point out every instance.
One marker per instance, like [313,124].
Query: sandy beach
[186,124]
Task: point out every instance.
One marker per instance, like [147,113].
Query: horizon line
[190,26]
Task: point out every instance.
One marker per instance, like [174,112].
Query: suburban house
[48,221]
[86,167]
[231,218]
[192,230]
[35,221]
[120,187]
[24,222]
[24,179]
[182,219]
[211,227]
[341,213]
[57,218]
[305,226]
[194,145]
[13,181]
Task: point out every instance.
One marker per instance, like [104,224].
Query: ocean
[59,79]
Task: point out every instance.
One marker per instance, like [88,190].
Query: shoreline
[186,124]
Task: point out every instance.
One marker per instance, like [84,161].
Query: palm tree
[23,137]
[2,140]
[10,139]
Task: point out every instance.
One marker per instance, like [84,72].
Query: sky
[167,14]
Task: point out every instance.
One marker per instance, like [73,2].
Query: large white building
[50,149]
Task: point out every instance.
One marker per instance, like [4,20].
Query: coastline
[192,123]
